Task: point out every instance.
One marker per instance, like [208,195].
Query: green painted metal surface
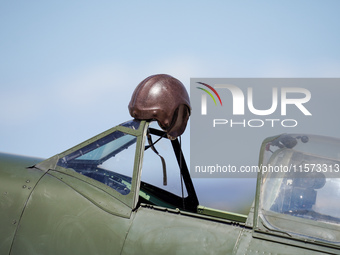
[221,214]
[156,231]
[46,208]
[16,185]
[59,220]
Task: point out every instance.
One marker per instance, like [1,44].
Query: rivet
[27,181]
[24,186]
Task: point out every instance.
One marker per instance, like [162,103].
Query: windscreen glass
[300,186]
[109,160]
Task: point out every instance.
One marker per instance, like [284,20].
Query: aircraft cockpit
[117,157]
[299,187]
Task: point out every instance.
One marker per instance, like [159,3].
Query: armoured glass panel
[133,124]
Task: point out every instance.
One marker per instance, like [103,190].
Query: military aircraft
[128,191]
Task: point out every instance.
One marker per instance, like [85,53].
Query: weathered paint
[16,184]
[59,211]
[169,232]
[59,220]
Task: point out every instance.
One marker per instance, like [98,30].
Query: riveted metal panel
[16,184]
[59,220]
[156,231]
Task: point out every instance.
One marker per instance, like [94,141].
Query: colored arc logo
[209,93]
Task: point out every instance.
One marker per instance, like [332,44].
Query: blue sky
[68,68]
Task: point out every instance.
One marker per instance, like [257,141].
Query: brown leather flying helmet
[163,98]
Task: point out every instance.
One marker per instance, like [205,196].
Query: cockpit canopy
[163,98]
[300,186]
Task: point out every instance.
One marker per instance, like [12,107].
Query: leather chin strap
[151,144]
[179,122]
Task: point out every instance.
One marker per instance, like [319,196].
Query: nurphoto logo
[303,96]
[231,117]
